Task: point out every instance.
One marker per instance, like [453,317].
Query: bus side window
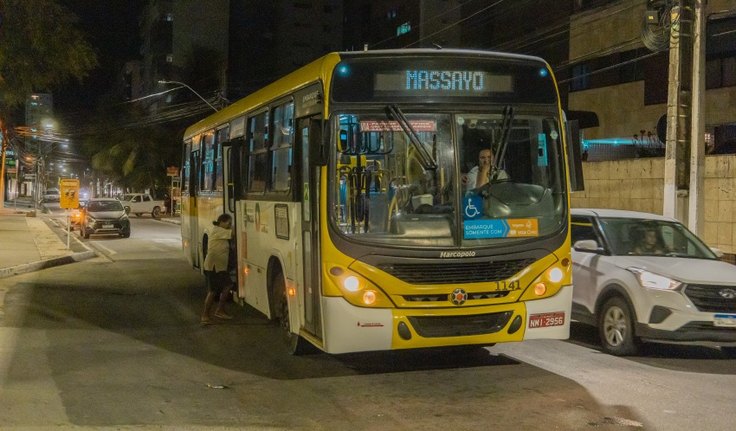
[258,152]
[283,139]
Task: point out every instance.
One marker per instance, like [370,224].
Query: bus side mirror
[574,157]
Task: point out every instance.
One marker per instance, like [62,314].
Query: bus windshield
[409,178]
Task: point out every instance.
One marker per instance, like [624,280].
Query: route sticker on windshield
[500,228]
[394,126]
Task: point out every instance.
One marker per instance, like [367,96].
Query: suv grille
[453,326]
[456,272]
[709,298]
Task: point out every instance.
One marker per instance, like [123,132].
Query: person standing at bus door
[216,268]
[480,175]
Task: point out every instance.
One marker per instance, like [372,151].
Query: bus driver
[480,175]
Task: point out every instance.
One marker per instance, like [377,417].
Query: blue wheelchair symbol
[472,207]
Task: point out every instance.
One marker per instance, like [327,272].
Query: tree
[40,49]
[129,151]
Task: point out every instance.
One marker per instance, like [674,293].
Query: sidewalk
[27,243]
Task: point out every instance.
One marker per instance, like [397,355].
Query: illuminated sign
[443,82]
[441,78]
[393,126]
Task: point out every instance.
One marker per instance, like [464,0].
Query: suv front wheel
[616,328]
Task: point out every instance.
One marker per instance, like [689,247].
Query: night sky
[111,27]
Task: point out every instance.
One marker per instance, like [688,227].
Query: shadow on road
[165,315]
[696,358]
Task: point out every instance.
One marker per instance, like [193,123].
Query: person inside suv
[650,242]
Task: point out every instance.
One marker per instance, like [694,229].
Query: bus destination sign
[425,82]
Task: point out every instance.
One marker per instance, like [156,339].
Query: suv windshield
[98,206]
[640,237]
[441,179]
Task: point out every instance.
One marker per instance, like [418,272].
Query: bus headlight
[555,274]
[351,283]
[357,290]
[548,282]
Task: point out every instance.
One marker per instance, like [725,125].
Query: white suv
[643,276]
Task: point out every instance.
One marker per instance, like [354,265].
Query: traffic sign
[69,193]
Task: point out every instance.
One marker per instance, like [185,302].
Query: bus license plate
[544,320]
[727,320]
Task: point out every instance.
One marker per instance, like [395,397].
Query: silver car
[640,276]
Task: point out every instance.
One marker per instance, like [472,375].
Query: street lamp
[163,81]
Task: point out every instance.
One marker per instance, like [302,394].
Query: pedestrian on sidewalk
[216,271]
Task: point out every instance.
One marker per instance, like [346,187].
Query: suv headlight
[651,280]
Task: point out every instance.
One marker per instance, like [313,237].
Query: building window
[580,73]
[403,29]
[391,14]
[169,17]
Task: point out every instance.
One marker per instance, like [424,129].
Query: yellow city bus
[356,225]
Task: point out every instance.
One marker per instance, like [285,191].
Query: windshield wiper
[508,118]
[425,158]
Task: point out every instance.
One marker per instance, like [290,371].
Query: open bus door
[193,213]
[309,136]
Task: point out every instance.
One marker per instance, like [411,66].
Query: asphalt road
[114,343]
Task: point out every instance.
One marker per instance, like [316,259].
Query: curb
[48,263]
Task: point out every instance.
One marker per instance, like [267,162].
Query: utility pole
[2,166]
[679,111]
[696,204]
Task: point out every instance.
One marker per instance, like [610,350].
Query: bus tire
[295,344]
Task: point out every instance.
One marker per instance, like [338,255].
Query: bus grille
[707,298]
[455,326]
[455,273]
[446,298]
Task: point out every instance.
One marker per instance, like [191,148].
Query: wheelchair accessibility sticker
[475,228]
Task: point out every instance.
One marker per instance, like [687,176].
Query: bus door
[309,131]
[231,180]
[231,165]
[193,215]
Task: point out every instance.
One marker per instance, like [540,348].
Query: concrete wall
[638,185]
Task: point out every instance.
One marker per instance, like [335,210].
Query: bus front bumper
[354,329]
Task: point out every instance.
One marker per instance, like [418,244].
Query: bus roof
[321,69]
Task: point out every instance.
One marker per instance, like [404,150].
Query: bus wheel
[295,344]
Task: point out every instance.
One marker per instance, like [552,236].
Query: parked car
[104,216]
[51,195]
[641,276]
[142,203]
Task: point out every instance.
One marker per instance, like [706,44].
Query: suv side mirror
[587,245]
